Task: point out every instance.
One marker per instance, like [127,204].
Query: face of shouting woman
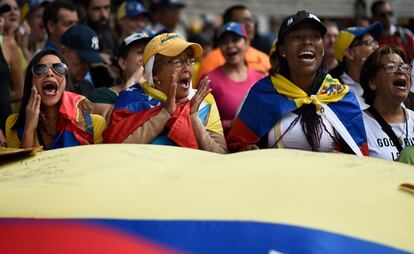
[182,65]
[392,81]
[233,48]
[303,50]
[49,79]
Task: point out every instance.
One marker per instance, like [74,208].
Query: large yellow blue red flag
[164,199]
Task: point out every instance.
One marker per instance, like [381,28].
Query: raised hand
[170,105]
[32,111]
[136,77]
[203,90]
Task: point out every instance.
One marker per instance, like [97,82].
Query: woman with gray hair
[165,110]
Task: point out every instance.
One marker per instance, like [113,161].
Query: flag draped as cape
[75,126]
[138,103]
[274,96]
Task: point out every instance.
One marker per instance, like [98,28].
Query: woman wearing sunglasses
[300,107]
[49,116]
[385,78]
[166,110]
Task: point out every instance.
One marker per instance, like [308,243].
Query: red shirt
[406,42]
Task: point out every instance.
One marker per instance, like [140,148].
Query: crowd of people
[105,71]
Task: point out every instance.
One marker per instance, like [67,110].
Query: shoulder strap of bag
[385,127]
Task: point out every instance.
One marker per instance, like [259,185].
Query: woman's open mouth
[400,83]
[231,53]
[184,83]
[306,56]
[50,88]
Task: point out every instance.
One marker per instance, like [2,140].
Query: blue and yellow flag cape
[273,97]
[138,103]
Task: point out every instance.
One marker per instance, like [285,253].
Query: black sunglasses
[39,69]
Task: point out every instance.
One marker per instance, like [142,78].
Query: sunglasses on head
[39,69]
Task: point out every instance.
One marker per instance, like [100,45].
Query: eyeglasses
[177,63]
[369,42]
[393,67]
[39,70]
[386,14]
[246,20]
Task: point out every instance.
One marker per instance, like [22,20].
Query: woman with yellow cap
[166,110]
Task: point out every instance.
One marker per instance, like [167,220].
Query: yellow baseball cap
[347,36]
[169,44]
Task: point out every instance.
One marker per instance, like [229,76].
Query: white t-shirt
[380,145]
[295,138]
[356,88]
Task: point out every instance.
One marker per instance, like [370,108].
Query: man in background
[392,35]
[165,15]
[80,48]
[58,17]
[131,17]
[329,41]
[98,18]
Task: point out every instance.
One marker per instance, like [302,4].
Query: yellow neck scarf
[330,91]
[151,91]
